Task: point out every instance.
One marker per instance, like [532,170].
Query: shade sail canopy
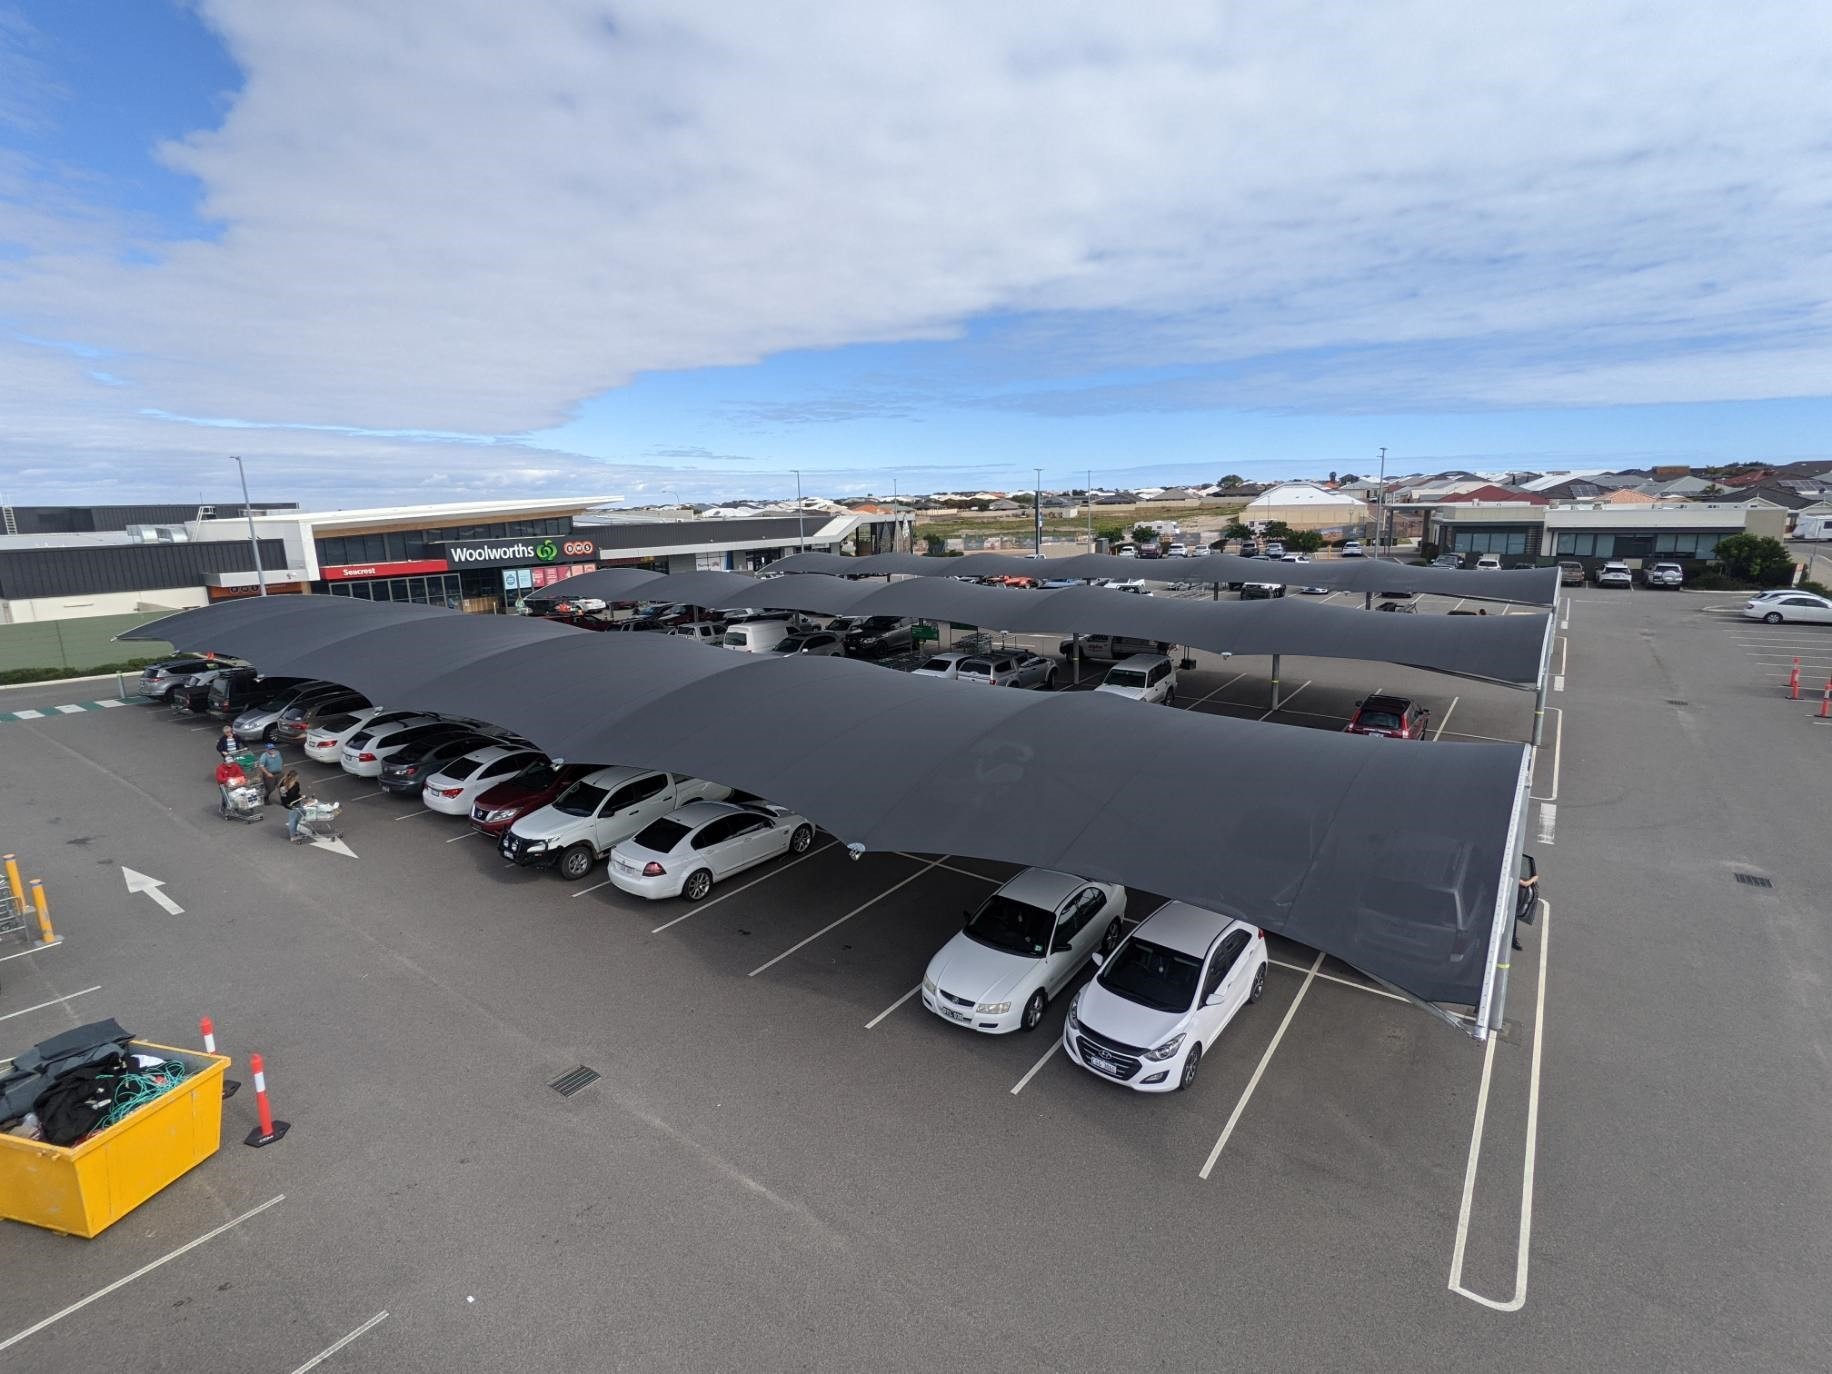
[1497,648]
[996,775]
[1528,586]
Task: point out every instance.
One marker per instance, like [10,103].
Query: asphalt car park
[787,1160]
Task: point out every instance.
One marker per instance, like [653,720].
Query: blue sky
[679,250]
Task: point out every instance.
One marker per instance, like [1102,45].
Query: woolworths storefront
[464,574]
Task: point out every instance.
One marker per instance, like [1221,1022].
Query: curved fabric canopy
[1528,586]
[888,761]
[1498,648]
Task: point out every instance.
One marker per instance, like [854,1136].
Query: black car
[874,636]
[299,719]
[191,695]
[1261,591]
[236,690]
[411,765]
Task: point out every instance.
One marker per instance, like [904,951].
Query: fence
[74,646]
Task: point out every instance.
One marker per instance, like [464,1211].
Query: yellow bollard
[44,912]
[12,881]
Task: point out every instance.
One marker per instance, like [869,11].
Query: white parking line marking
[593,888]
[68,710]
[468,835]
[1564,654]
[1548,822]
[964,872]
[111,702]
[1519,1300]
[52,1003]
[141,1272]
[28,715]
[1217,692]
[1558,682]
[1283,704]
[1265,1059]
[847,917]
[335,1346]
[1558,752]
[744,887]
[893,1006]
[1055,1045]
[414,815]
[35,949]
[1333,978]
[1446,721]
[369,796]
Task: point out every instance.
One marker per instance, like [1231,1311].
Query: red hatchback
[499,808]
[1389,717]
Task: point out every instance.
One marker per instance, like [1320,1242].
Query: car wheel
[1049,681]
[576,862]
[1190,1065]
[1258,990]
[698,884]
[1772,618]
[1033,1011]
[1170,697]
[801,839]
[1110,938]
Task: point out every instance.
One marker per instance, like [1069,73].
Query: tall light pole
[801,514]
[1380,519]
[1037,510]
[254,544]
[1088,496]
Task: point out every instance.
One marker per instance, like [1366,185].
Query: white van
[1143,677]
[757,636]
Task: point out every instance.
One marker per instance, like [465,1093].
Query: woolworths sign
[508,553]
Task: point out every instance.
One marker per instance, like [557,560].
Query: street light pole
[1380,519]
[1088,496]
[801,514]
[254,544]
[1037,511]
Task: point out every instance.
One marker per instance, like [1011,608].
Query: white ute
[1022,947]
[584,822]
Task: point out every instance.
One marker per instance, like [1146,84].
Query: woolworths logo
[546,551]
[498,553]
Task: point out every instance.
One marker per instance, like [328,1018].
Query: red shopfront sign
[352,571]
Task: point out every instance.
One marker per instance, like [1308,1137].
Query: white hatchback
[1022,947]
[1164,997]
[684,853]
[459,783]
[324,742]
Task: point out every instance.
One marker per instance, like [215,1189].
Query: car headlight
[1167,1049]
[537,846]
[928,985]
[506,813]
[869,639]
[1074,1022]
[993,1008]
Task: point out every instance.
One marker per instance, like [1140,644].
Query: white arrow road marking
[335,846]
[139,882]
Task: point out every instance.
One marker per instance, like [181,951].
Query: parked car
[1261,591]
[1351,548]
[1009,668]
[1391,717]
[605,807]
[1163,998]
[325,740]
[757,636]
[1615,575]
[700,631]
[158,679]
[407,768]
[815,643]
[455,784]
[1799,606]
[1570,574]
[1177,551]
[503,803]
[1275,548]
[945,664]
[874,636]
[1294,558]
[298,720]
[236,689]
[1021,948]
[1143,677]
[1407,602]
[368,749]
[1114,647]
[1665,575]
[683,854]
[191,696]
[1447,560]
[1249,548]
[256,724]
[1488,562]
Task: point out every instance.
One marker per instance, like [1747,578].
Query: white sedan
[459,783]
[685,852]
[1795,605]
[324,742]
[1022,947]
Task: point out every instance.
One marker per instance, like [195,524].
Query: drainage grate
[1675,701]
[572,1080]
[1752,880]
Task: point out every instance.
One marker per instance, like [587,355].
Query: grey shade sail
[1528,586]
[1507,649]
[1005,776]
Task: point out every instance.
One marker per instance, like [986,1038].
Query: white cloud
[464,216]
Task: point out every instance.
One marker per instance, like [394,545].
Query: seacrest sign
[503,553]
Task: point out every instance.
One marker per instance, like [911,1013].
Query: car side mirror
[1213,999]
[1098,958]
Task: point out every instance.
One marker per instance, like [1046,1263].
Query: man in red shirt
[229,776]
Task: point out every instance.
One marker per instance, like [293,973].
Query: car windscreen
[1152,976]
[336,724]
[581,799]
[735,640]
[1126,677]
[661,836]
[461,768]
[1379,720]
[1011,926]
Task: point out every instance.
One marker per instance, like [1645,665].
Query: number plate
[954,1015]
[1106,1066]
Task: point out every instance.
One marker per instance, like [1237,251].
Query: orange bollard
[1793,682]
[44,912]
[269,1130]
[208,1027]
